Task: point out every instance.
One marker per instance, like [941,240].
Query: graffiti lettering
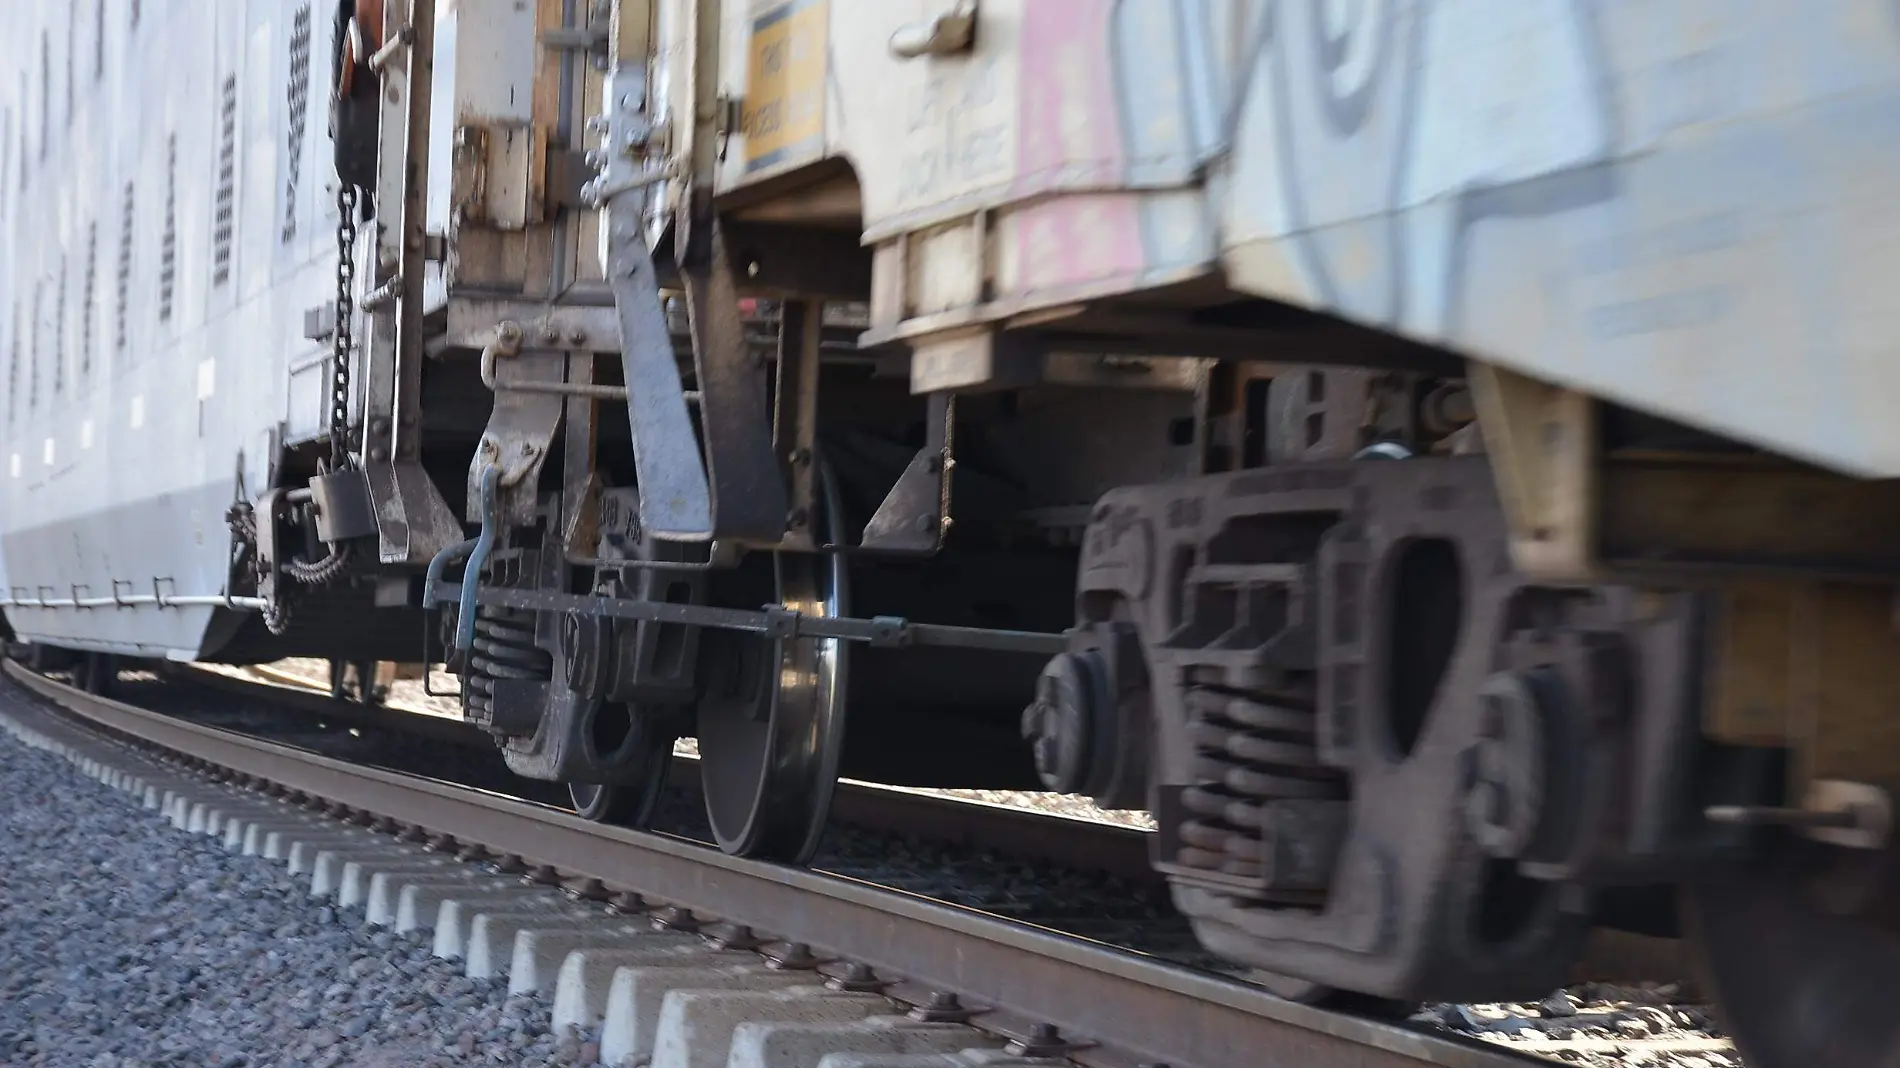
[959,134]
[1654,315]
[1714,232]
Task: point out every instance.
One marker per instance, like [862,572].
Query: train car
[1436,457]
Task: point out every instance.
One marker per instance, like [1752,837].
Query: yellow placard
[784,114]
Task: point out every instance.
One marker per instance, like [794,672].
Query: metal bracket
[675,501]
[915,515]
[519,436]
[781,622]
[748,492]
[575,39]
[343,506]
[951,32]
[268,558]
[795,417]
[413,521]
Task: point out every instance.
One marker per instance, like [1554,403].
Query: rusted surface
[1135,1008]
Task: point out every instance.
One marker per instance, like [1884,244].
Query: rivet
[796,956]
[735,936]
[857,978]
[1043,1041]
[943,1007]
[589,889]
[674,918]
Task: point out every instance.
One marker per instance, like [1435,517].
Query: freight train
[1437,457]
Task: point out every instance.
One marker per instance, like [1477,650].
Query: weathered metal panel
[1684,207]
[1059,158]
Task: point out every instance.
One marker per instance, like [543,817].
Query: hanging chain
[341,340]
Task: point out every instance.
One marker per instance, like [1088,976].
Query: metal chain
[341,340]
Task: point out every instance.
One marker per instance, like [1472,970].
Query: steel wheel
[642,760]
[771,732]
[1796,983]
[98,673]
[367,692]
[618,804]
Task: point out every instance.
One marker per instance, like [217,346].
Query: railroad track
[948,819]
[1111,849]
[785,958]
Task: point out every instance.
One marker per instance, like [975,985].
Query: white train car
[168,221]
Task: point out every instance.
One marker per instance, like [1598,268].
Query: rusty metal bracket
[915,515]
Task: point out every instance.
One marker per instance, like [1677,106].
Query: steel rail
[1126,1003]
[1080,843]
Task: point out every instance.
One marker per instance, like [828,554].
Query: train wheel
[1799,982]
[644,756]
[99,673]
[367,690]
[771,732]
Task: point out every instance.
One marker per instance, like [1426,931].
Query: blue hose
[476,551]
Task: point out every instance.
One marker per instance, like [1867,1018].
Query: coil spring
[1247,754]
[504,649]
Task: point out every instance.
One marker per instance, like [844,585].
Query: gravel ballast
[124,941]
